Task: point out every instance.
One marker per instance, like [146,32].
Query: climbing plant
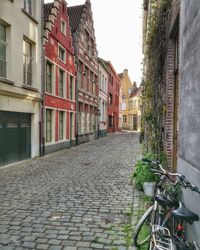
[155,48]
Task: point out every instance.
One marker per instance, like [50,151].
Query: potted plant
[149,181]
[144,178]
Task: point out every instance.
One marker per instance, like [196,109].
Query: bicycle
[166,216]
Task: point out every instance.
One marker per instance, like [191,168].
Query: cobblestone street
[75,199]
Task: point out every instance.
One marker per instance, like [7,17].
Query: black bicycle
[162,225]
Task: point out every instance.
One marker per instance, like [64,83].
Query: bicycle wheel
[142,231]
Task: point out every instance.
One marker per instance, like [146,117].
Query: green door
[15,137]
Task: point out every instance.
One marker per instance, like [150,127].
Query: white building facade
[20,79]
[103,97]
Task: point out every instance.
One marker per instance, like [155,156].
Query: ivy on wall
[154,103]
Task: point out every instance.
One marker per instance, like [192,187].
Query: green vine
[154,104]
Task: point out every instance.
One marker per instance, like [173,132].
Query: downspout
[74,37]
[42,139]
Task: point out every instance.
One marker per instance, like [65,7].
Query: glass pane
[2,32]
[29,78]
[2,51]
[2,69]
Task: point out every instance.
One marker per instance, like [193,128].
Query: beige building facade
[135,110]
[20,79]
[126,90]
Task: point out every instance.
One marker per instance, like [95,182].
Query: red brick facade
[113,99]
[172,88]
[59,82]
[81,23]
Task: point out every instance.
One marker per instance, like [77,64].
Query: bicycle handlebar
[182,179]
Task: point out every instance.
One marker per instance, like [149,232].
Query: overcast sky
[118,31]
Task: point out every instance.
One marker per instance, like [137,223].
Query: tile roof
[75,13]
[135,91]
[121,75]
[47,10]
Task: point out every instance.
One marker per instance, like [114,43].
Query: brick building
[103,97]
[59,102]
[86,59]
[114,84]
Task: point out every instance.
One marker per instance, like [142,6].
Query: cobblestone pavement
[75,199]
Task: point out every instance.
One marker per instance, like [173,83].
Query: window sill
[30,16]
[62,60]
[29,87]
[4,80]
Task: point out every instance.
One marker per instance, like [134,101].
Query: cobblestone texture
[75,199]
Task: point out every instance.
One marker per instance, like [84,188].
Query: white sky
[118,32]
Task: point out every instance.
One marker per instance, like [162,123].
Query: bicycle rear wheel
[142,232]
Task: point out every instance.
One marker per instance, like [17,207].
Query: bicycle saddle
[185,214]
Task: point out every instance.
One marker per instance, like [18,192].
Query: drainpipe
[42,140]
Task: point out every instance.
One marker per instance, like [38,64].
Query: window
[71,88]
[28,6]
[80,66]
[62,54]
[124,118]
[2,50]
[61,83]
[135,104]
[110,99]
[110,121]
[116,100]
[48,125]
[27,62]
[131,105]
[49,77]
[63,27]
[129,90]
[61,125]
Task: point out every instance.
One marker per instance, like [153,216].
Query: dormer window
[63,27]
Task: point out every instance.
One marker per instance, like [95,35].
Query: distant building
[127,88]
[103,96]
[86,59]
[120,107]
[59,82]
[135,109]
[20,80]
[113,98]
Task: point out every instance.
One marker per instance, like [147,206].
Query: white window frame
[65,26]
[25,56]
[46,125]
[64,82]
[4,43]
[64,125]
[62,48]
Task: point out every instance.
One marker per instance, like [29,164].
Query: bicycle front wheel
[142,231]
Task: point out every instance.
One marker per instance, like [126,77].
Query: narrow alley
[77,198]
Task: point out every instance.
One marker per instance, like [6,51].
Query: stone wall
[189,122]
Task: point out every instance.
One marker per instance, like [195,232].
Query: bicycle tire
[147,217]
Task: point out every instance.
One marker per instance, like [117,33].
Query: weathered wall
[189,122]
